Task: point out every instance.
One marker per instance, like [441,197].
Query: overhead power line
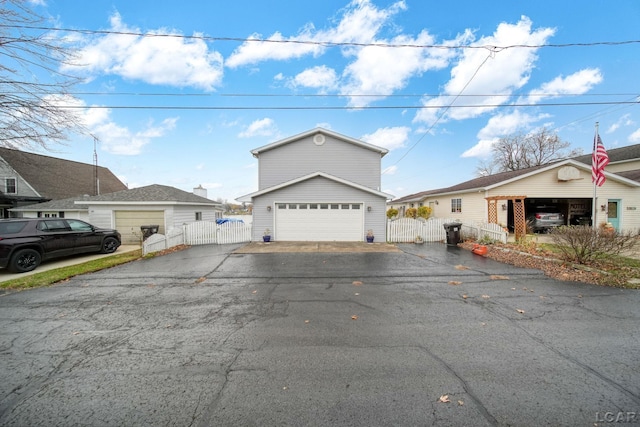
[391,107]
[492,48]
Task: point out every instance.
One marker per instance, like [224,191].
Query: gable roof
[249,197]
[54,178]
[256,152]
[150,194]
[616,155]
[54,206]
[488,182]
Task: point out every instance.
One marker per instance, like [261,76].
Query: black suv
[25,242]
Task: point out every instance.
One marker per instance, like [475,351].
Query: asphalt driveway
[209,337]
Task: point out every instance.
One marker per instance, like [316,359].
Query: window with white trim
[456,205]
[10,186]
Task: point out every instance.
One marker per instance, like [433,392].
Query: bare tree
[523,151]
[34,92]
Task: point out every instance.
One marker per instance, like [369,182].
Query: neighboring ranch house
[564,184]
[319,186]
[128,210]
[64,208]
[29,178]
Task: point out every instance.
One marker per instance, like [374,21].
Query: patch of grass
[47,278]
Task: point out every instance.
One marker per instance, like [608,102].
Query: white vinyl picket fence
[405,230]
[199,233]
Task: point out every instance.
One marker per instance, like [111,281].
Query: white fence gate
[199,233]
[405,230]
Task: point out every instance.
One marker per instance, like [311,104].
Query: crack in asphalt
[573,360]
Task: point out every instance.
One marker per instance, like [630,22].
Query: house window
[456,205]
[345,206]
[313,206]
[282,206]
[303,206]
[324,206]
[293,206]
[355,206]
[198,216]
[10,186]
[335,206]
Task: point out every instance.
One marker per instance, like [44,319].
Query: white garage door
[342,222]
[128,224]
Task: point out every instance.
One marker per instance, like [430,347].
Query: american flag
[599,160]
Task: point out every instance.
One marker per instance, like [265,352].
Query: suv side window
[12,227]
[77,225]
[53,225]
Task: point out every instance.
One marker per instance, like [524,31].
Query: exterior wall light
[269,208]
[368,208]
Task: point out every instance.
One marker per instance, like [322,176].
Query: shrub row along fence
[199,233]
[406,230]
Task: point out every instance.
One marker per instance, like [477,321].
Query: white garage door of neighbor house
[128,224]
[341,222]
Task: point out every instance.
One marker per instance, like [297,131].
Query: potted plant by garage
[419,240]
[266,237]
[370,236]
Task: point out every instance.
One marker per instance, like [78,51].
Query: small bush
[583,244]
[486,240]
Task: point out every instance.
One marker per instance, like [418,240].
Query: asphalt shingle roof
[630,152]
[480,182]
[55,178]
[152,193]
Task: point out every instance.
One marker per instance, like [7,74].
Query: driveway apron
[428,335]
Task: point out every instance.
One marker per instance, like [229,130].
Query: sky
[434,82]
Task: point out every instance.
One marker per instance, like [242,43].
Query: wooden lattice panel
[492,210]
[519,222]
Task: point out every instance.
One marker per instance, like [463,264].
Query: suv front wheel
[109,245]
[25,260]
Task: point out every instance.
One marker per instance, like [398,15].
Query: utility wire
[381,107]
[491,48]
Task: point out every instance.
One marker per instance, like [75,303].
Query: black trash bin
[148,230]
[453,233]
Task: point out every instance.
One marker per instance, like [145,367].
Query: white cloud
[391,170]
[359,24]
[575,84]
[498,127]
[504,72]
[262,127]
[622,121]
[117,139]
[381,71]
[390,138]
[320,77]
[154,59]
[112,137]
[635,136]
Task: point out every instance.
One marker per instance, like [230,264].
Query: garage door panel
[128,223]
[338,222]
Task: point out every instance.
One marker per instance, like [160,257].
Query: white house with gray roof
[564,184]
[319,186]
[128,210]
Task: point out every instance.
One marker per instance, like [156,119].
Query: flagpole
[594,161]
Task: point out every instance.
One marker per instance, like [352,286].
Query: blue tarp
[225,220]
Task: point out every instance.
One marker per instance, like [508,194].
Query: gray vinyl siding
[335,157]
[187,214]
[319,190]
[22,188]
[101,217]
